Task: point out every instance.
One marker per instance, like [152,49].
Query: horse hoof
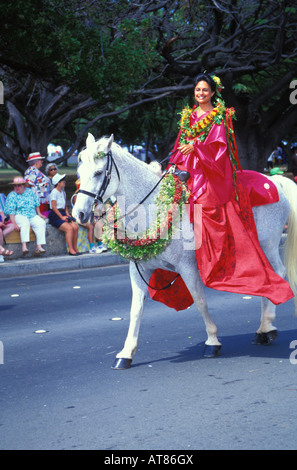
[211,351]
[121,364]
[265,338]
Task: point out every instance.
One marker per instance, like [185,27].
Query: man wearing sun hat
[38,181]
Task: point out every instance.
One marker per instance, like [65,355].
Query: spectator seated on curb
[22,206]
[90,227]
[59,215]
[6,227]
[98,218]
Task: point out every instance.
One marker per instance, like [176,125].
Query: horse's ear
[90,139]
[110,142]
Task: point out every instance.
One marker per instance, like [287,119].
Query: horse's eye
[98,173]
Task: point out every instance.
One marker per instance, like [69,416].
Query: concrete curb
[55,264]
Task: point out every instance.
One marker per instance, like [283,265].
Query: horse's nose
[81,216]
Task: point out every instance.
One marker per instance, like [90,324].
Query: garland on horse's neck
[200,130]
[173,194]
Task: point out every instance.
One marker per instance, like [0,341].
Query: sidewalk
[55,264]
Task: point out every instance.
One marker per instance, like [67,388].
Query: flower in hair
[218,83]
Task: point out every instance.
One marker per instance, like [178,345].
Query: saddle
[261,189]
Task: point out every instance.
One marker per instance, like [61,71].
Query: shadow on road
[235,346]
[4,308]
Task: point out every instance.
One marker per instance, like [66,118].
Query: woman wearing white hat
[38,181]
[59,215]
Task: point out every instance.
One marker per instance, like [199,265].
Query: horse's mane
[119,152]
[123,153]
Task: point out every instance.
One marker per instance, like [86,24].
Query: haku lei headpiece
[219,86]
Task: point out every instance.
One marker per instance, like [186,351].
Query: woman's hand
[186,149]
[40,214]
[12,220]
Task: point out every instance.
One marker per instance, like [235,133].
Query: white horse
[106,170]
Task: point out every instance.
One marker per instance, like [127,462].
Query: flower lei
[201,128]
[173,193]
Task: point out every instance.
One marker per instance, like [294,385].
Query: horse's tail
[290,256]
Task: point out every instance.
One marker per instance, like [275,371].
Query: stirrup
[181,174]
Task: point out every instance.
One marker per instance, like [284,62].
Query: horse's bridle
[98,197]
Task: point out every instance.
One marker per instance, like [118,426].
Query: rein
[155,288]
[99,196]
[152,190]
[143,200]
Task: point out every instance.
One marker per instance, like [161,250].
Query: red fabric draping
[230,257]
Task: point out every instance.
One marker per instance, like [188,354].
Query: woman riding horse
[230,257]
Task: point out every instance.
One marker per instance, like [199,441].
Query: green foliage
[121,52]
[128,57]
[54,41]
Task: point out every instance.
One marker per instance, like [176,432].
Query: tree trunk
[251,147]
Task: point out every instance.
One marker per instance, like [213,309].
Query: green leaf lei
[173,193]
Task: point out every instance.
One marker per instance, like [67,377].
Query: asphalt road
[57,390]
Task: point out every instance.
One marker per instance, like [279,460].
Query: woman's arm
[57,212]
[39,213]
[10,209]
[213,151]
[12,219]
[185,149]
[67,211]
[2,217]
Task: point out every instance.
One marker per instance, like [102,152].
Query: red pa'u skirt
[230,258]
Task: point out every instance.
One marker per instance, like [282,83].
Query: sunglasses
[53,169]
[18,185]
